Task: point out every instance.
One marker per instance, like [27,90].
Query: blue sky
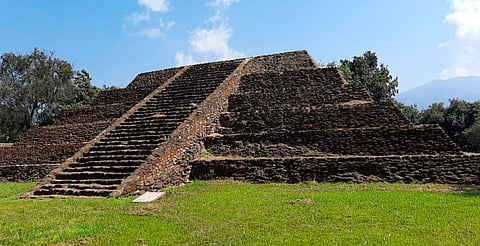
[420,40]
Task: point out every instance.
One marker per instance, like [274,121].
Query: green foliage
[34,86]
[460,120]
[234,213]
[434,114]
[376,78]
[410,111]
[85,92]
[472,137]
[459,116]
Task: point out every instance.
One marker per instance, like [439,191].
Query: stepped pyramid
[273,118]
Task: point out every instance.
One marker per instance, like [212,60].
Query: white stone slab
[149,197]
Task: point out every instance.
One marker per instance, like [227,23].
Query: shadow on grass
[467,190]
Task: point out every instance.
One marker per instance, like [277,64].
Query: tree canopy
[33,87]
[365,70]
[460,120]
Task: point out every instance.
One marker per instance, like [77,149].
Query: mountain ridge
[465,88]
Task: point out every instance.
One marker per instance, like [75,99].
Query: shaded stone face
[273,118]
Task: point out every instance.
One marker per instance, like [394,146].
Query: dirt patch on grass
[146,210]
[447,188]
[82,242]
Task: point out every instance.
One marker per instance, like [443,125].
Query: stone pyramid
[273,118]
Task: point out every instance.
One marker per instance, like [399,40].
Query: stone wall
[22,173]
[294,89]
[371,114]
[448,169]
[281,62]
[400,140]
[106,112]
[37,154]
[62,134]
[139,88]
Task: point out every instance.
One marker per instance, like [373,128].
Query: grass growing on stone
[227,212]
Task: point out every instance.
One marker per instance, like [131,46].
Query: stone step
[161,132]
[154,121]
[196,87]
[171,102]
[130,142]
[91,168]
[122,152]
[62,197]
[181,95]
[92,175]
[106,147]
[81,186]
[73,192]
[146,117]
[87,181]
[158,112]
[176,108]
[166,109]
[132,135]
[164,129]
[179,98]
[149,127]
[107,163]
[112,158]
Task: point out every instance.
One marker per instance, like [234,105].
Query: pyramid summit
[272,118]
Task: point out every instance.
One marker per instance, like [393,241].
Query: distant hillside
[465,88]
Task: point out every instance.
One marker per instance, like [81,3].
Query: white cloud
[215,41]
[182,60]
[137,18]
[222,3]
[161,6]
[149,24]
[167,26]
[465,45]
[211,43]
[443,45]
[152,32]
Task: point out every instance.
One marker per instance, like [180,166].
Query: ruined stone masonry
[273,118]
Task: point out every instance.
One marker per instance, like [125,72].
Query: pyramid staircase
[100,170]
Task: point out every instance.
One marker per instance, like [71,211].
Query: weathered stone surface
[446,169]
[331,116]
[386,140]
[280,62]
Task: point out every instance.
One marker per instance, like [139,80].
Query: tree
[366,71]
[411,111]
[460,120]
[433,114]
[33,87]
[85,92]
[472,137]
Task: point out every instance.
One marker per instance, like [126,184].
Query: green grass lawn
[227,212]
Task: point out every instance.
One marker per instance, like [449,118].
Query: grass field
[235,213]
